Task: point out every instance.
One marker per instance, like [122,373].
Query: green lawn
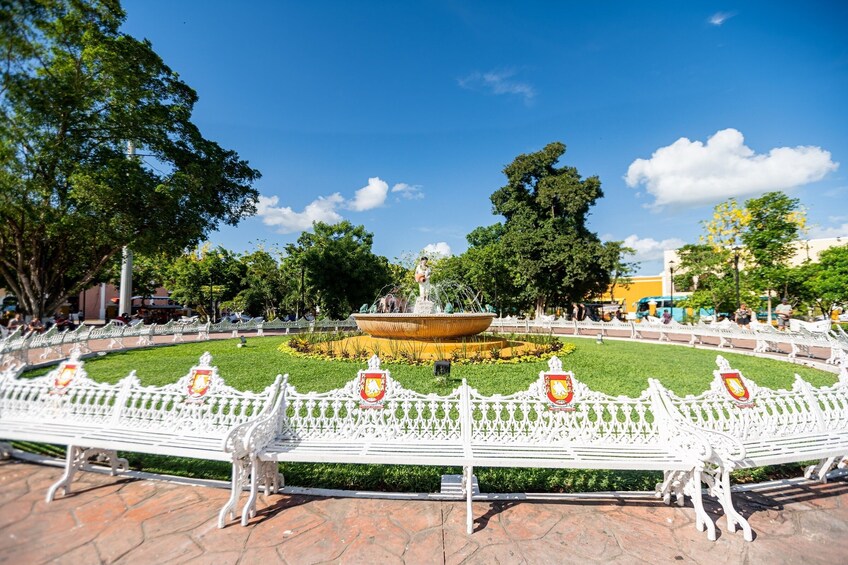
[616,367]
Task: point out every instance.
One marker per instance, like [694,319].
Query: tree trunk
[540,307]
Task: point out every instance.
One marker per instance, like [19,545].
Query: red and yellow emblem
[372,388]
[735,386]
[64,378]
[199,383]
[560,390]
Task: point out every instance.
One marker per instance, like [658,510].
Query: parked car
[237,317]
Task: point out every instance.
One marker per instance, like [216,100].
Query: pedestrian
[744,315]
[783,312]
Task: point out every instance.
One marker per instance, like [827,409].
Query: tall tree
[340,268]
[264,285]
[554,255]
[619,267]
[485,268]
[74,90]
[774,223]
[204,278]
[826,282]
[708,273]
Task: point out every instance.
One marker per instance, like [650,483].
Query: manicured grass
[615,367]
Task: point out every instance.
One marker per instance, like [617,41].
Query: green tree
[620,270]
[74,90]
[484,268]
[553,255]
[149,272]
[826,282]
[775,222]
[264,285]
[708,273]
[339,267]
[204,278]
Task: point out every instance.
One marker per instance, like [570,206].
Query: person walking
[783,312]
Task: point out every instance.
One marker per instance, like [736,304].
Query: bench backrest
[65,394]
[373,405]
[199,402]
[558,408]
[739,407]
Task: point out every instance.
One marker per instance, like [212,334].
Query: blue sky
[402,115]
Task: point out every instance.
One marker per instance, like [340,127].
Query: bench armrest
[727,448]
[240,441]
[249,437]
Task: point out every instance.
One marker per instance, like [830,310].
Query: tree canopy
[74,91]
[553,256]
[762,234]
[338,265]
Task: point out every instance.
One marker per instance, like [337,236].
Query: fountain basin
[424,326]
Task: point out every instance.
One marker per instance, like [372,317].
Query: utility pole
[736,271]
[125,304]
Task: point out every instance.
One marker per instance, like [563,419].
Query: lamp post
[736,273]
[671,279]
[211,300]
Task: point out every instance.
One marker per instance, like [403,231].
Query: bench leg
[702,519]
[265,472]
[5,450]
[468,487]
[77,458]
[674,483]
[718,483]
[241,470]
[819,471]
[272,479]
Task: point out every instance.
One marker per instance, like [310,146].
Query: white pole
[126,282]
[125,305]
[102,301]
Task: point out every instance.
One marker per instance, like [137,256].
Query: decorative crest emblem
[65,376]
[372,388]
[198,384]
[735,387]
[560,391]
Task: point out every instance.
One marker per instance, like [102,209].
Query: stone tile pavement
[119,520]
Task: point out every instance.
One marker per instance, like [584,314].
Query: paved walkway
[118,520]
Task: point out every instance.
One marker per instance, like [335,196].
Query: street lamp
[211,300]
[671,278]
[736,273]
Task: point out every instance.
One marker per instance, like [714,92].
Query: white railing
[760,338]
[15,347]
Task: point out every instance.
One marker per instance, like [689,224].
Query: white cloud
[325,208]
[692,173]
[437,250]
[287,220]
[832,231]
[720,17]
[373,195]
[497,82]
[649,249]
[408,191]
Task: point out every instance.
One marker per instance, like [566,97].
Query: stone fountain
[446,311]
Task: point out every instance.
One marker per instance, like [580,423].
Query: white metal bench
[558,422]
[773,426]
[371,420]
[199,416]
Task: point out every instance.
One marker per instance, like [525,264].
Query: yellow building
[639,287]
